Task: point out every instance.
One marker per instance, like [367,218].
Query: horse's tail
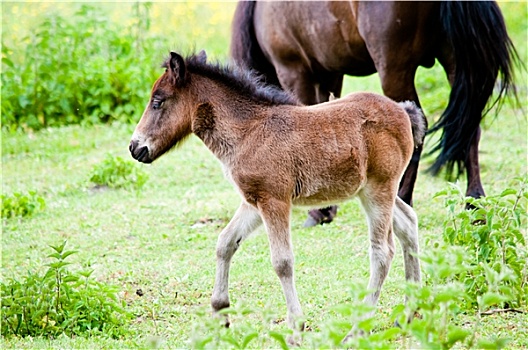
[245,49]
[482,50]
[417,121]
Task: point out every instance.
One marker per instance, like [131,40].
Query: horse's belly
[335,186]
[326,197]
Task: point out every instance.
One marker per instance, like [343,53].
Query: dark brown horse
[268,146]
[307,47]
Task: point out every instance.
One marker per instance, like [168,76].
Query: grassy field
[162,239]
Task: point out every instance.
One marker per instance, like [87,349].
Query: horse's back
[352,37]
[365,107]
[321,34]
[380,124]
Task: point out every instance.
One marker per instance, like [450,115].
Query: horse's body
[307,46]
[267,144]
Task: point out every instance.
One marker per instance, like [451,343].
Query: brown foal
[268,144]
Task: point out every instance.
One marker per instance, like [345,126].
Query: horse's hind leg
[245,221]
[405,225]
[378,206]
[474,185]
[377,202]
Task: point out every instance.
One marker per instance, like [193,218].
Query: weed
[99,75]
[60,302]
[115,172]
[493,241]
[19,204]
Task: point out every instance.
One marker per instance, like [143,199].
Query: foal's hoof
[224,319]
[294,340]
[353,334]
[415,314]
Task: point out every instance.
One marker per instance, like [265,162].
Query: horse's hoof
[353,334]
[310,222]
[294,340]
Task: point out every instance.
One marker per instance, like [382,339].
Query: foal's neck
[223,118]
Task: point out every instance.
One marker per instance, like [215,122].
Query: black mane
[243,82]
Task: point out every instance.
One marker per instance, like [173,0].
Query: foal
[268,145]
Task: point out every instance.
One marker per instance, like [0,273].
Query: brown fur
[269,152]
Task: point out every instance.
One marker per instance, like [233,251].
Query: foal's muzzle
[141,154]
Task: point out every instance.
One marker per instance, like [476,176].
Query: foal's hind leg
[378,207]
[405,224]
[378,202]
[245,221]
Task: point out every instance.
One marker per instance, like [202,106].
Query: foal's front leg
[276,217]
[245,221]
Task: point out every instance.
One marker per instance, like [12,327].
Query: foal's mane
[240,81]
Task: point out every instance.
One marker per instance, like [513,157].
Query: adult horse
[307,47]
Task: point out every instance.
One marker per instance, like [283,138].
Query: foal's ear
[202,57]
[177,69]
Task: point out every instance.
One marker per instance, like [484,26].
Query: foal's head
[167,118]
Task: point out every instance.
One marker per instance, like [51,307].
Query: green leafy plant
[60,301]
[115,172]
[441,300]
[19,204]
[435,305]
[99,75]
[493,238]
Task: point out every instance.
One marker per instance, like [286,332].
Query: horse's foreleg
[474,185]
[276,217]
[245,221]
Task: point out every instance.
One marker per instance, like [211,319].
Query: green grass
[162,239]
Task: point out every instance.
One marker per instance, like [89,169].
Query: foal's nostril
[142,155]
[133,145]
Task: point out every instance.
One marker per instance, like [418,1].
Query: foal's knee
[383,253]
[283,266]
[225,249]
[219,303]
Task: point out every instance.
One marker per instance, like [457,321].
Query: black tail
[245,50]
[482,51]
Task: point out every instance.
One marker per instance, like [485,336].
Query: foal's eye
[157,103]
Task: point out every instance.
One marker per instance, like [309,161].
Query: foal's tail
[482,51]
[245,49]
[417,121]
